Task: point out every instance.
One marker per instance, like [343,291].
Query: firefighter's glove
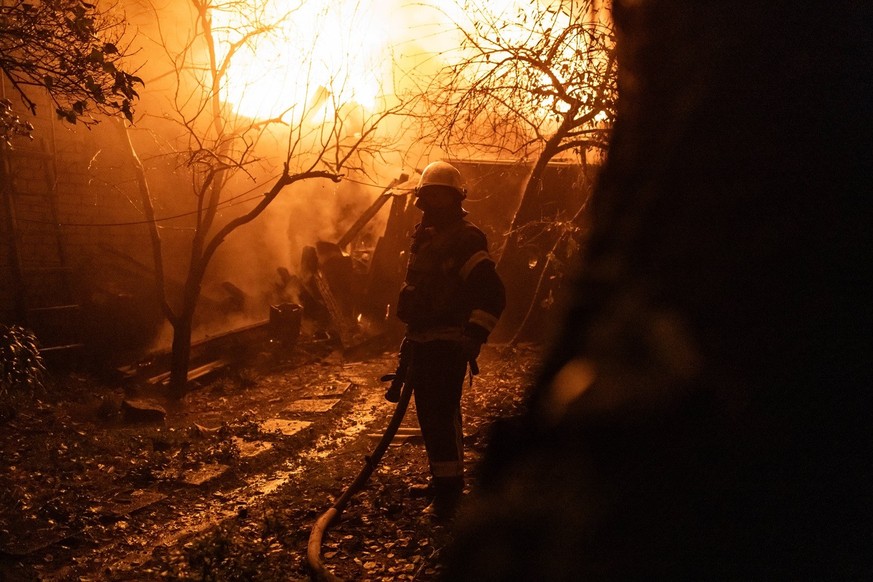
[393,392]
[398,378]
[474,337]
[471,348]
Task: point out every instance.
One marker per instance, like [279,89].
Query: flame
[315,57]
[321,55]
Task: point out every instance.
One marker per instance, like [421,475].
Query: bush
[21,364]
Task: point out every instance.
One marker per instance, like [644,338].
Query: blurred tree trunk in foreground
[705,412]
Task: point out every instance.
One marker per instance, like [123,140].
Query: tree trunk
[513,264]
[705,406]
[529,197]
[180,357]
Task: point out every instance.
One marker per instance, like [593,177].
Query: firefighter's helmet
[441,174]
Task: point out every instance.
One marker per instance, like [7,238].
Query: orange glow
[318,48]
[326,54]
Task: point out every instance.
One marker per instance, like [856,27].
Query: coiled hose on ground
[317,570]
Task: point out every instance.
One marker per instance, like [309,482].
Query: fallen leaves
[64,472]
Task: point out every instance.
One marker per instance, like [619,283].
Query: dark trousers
[436,374]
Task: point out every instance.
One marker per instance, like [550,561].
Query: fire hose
[318,571]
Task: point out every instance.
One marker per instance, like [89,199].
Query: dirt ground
[228,485]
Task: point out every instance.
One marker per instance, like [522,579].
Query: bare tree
[72,49]
[533,83]
[326,135]
[536,82]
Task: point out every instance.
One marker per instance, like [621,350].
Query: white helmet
[442,174]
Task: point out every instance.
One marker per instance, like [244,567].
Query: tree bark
[180,356]
[514,267]
[704,410]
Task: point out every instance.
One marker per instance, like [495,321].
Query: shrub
[21,364]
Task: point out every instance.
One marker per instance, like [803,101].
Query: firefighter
[450,301]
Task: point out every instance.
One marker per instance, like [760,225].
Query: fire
[306,58]
[316,56]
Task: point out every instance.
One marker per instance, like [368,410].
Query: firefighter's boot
[447,497]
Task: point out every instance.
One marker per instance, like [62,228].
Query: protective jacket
[451,287]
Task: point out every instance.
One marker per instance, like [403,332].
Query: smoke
[251,269]
[255,266]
